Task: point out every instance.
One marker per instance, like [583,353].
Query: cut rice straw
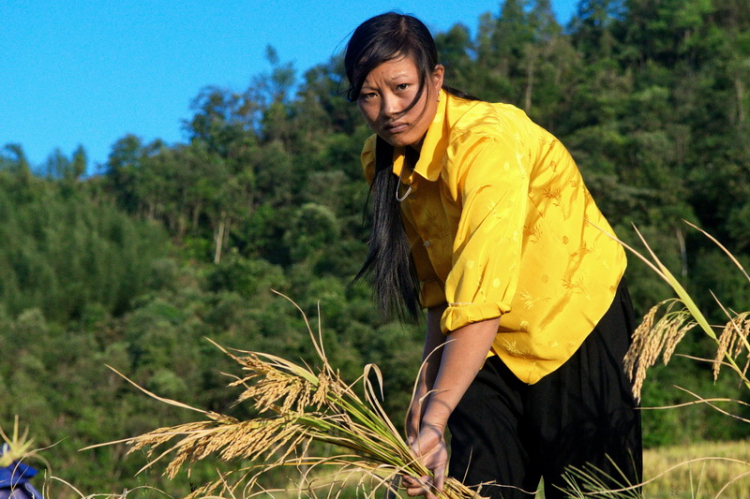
[296,406]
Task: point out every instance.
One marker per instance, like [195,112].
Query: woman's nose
[390,106]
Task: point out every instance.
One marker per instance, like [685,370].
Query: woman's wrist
[435,418]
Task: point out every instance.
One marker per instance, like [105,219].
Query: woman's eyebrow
[400,74]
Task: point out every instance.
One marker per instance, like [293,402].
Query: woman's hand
[429,448]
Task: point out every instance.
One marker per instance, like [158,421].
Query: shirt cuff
[457,315]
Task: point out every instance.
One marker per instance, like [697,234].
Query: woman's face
[390,89]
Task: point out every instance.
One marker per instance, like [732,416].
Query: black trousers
[582,415]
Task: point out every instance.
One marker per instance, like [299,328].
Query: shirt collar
[433,147]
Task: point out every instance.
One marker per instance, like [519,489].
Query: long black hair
[380,39]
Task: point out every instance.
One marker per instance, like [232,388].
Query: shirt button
[427,244]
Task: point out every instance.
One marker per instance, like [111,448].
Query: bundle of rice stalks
[297,406]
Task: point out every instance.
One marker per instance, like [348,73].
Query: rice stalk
[653,339]
[591,482]
[296,405]
[662,336]
[731,341]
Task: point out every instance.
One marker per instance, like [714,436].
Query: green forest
[170,244]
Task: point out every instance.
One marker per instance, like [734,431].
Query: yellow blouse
[498,220]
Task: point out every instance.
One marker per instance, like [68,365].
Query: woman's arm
[431,355]
[464,353]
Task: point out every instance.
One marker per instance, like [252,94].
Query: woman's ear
[437,76]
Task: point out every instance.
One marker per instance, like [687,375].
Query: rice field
[706,470]
[698,471]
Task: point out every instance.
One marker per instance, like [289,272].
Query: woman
[481,217]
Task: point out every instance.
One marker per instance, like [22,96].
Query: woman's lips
[396,127]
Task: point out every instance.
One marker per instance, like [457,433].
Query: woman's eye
[367,96]
[402,86]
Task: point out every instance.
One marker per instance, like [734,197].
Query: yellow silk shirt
[502,225]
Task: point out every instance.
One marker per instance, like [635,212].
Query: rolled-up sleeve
[488,181]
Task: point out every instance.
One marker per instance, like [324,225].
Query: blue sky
[90,71]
